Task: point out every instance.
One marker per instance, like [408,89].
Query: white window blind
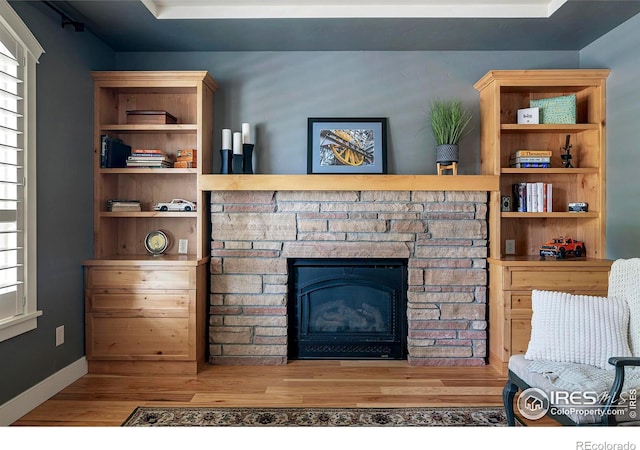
[19,53]
[11,180]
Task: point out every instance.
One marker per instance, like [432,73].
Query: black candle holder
[237,163]
[247,158]
[225,157]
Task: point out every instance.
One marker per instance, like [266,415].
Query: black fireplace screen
[347,309]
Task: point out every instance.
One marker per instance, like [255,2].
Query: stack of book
[123,205]
[533,197]
[530,159]
[150,158]
[186,158]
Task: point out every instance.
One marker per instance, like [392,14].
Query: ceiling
[334,25]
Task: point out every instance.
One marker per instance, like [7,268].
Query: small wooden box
[148,117]
[185,164]
[187,154]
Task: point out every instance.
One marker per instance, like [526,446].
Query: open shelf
[168,128]
[348,183]
[548,128]
[552,170]
[150,214]
[556,215]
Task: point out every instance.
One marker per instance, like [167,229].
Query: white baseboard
[41,392]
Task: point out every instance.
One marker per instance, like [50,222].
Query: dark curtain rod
[66,20]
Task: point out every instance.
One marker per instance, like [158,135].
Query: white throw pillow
[580,329]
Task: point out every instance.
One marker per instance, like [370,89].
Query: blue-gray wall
[619,50]
[277,92]
[65,198]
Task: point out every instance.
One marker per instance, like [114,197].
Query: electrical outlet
[183,246]
[510,247]
[60,335]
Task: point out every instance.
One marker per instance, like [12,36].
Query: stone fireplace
[441,234]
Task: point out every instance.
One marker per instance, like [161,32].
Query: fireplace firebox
[347,308]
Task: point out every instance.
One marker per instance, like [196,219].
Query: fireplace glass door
[347,309]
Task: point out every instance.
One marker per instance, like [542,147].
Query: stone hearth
[442,234]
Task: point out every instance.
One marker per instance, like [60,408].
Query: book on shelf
[149,164]
[149,158]
[520,153]
[531,165]
[147,151]
[123,205]
[522,159]
[533,197]
[113,152]
[530,159]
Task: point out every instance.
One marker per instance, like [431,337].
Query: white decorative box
[529,115]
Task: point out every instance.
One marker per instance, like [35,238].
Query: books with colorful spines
[532,165]
[520,153]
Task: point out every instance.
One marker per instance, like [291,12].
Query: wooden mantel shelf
[348,183]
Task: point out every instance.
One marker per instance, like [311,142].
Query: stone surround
[442,234]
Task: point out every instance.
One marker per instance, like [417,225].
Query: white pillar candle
[226,139]
[246,133]
[237,143]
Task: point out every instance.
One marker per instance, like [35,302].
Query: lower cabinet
[145,319]
[510,286]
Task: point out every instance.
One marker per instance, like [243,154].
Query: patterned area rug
[315,417]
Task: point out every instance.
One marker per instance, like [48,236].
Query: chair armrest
[619,362]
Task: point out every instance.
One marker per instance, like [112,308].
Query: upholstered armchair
[580,367]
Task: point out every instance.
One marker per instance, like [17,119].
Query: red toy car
[561,247]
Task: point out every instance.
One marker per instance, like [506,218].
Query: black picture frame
[347,145]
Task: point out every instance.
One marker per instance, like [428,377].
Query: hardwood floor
[107,400]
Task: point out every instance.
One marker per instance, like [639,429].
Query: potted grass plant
[449,123]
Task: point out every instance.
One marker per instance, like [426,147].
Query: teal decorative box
[556,109]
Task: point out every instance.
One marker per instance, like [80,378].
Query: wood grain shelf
[153,171]
[548,128]
[146,128]
[552,170]
[348,183]
[147,260]
[556,215]
[149,214]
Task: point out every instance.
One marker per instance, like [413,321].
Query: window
[19,52]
